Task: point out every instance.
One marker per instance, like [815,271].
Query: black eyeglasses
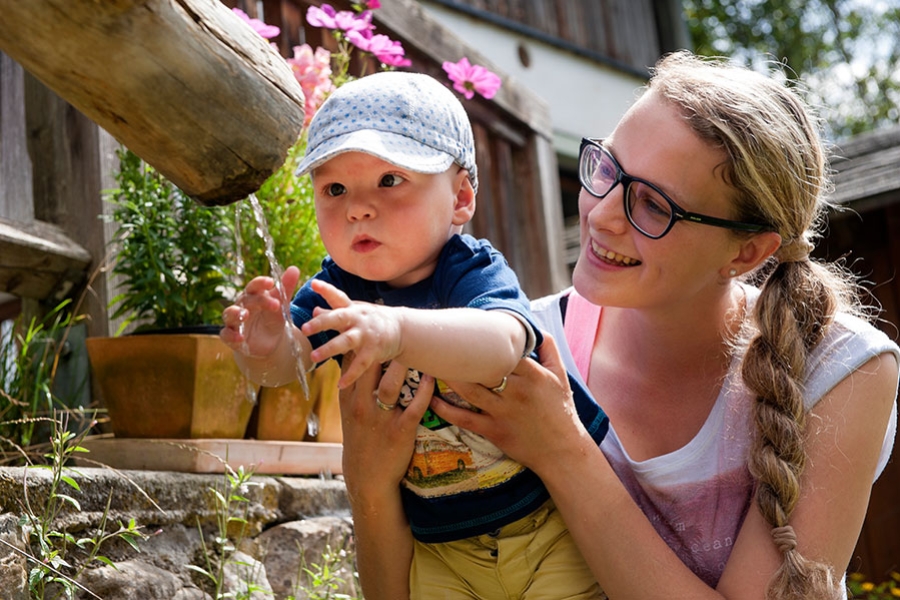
[648,209]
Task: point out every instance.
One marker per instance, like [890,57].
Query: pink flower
[267,31]
[468,79]
[386,50]
[344,20]
[313,71]
[366,5]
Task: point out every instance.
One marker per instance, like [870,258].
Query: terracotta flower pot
[284,411]
[171,386]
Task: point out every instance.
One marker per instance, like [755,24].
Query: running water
[276,273]
[251,391]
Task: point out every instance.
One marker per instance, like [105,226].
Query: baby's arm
[461,344]
[256,329]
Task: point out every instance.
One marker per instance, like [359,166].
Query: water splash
[312,425]
[277,272]
[250,390]
[240,268]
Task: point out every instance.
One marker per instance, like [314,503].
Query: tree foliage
[846,52]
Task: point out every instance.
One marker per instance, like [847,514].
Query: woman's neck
[657,374]
[673,336]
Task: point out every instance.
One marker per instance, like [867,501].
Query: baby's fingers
[332,295]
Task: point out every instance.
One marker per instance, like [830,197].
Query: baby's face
[385,223]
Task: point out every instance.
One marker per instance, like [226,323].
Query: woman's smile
[612,258]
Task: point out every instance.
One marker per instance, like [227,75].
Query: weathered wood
[39,260]
[15,165]
[866,166]
[183,83]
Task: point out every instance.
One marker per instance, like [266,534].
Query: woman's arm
[534,421]
[378,445]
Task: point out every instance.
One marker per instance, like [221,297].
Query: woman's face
[619,266]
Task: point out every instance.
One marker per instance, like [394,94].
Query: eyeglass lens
[646,207]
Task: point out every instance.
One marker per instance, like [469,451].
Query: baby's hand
[255,323]
[370,331]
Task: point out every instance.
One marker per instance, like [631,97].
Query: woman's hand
[378,443]
[533,420]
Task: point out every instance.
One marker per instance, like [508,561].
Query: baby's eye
[390,180]
[335,189]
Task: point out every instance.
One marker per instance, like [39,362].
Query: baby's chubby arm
[256,330]
[460,344]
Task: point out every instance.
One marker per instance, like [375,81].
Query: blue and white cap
[407,119]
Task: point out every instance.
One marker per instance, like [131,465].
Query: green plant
[171,252]
[58,557]
[231,526]
[29,357]
[322,580]
[863,589]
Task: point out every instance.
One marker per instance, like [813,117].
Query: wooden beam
[185,84]
[37,260]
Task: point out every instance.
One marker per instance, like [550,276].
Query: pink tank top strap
[581,320]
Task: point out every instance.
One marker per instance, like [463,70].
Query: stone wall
[289,520]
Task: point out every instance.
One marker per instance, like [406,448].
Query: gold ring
[382,405]
[499,389]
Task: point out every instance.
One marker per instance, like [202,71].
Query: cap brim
[390,147]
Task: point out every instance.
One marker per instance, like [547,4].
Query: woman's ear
[752,252]
[464,204]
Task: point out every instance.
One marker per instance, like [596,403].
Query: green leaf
[106,561]
[70,500]
[70,481]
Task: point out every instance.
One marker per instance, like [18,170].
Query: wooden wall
[632,33]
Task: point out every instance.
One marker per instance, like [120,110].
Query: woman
[747,423]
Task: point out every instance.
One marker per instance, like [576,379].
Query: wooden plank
[15,164]
[37,260]
[550,219]
[183,83]
[211,455]
[865,175]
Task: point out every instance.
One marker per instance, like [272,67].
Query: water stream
[276,272]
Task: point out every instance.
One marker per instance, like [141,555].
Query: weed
[231,506]
[58,558]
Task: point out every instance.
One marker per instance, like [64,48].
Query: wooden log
[185,84]
[39,260]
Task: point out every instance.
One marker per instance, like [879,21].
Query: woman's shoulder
[849,342]
[550,303]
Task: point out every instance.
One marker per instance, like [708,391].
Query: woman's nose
[605,213]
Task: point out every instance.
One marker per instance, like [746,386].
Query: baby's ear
[464,207]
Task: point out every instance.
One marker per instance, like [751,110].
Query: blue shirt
[459,485]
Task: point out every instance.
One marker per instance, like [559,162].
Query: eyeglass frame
[678,213]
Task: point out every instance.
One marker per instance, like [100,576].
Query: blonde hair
[777,165]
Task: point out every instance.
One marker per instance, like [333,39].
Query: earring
[732,272]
